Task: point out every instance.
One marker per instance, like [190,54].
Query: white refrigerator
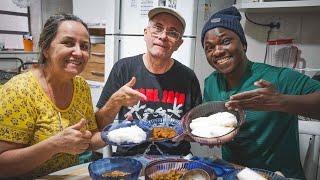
[126,21]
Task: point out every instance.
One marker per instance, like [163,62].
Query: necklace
[50,94]
[51,97]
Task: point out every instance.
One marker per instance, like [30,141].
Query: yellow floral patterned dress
[27,116]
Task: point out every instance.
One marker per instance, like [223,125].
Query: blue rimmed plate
[108,129]
[162,122]
[270,175]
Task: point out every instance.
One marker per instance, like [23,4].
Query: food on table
[248,174]
[215,125]
[211,131]
[168,175]
[132,134]
[115,174]
[163,133]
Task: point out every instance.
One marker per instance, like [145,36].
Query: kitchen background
[116,28]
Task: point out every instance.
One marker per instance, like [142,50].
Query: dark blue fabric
[228,18]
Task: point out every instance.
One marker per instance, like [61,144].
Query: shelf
[18,52]
[280,6]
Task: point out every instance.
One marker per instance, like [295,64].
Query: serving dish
[131,167]
[155,168]
[205,110]
[147,126]
[171,123]
[124,124]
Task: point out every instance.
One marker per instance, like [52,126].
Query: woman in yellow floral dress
[46,114]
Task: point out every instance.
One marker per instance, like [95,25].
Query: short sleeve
[295,83]
[196,92]
[17,119]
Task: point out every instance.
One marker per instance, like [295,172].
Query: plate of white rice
[125,134]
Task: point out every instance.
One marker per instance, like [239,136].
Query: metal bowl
[207,109]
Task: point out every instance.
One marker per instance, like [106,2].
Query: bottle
[27,42]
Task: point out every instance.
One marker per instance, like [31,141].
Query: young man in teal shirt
[271,96]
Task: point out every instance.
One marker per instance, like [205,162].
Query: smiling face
[163,44]
[68,53]
[224,50]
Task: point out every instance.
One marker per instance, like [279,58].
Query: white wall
[93,12]
[201,66]
[302,27]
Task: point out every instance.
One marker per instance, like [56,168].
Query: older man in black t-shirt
[152,85]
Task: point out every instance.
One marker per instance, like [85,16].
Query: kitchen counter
[19,52]
[25,56]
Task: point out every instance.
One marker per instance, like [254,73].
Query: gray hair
[50,29]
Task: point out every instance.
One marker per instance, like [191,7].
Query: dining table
[78,172]
[81,172]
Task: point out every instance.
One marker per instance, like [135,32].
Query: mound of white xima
[132,134]
[214,125]
[248,174]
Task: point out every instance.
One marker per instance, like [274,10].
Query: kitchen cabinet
[93,13]
[94,69]
[279,6]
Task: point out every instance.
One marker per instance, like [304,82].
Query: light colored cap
[161,9]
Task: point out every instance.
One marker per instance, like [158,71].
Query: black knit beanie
[228,18]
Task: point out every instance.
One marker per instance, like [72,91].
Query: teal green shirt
[267,140]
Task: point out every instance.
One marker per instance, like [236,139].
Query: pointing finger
[132,82]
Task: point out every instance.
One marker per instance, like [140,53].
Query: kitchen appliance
[126,21]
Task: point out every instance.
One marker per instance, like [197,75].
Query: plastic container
[282,53]
[27,43]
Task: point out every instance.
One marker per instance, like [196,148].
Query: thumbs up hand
[74,139]
[126,96]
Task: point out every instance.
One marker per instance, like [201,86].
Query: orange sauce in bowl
[169,175]
[159,133]
[115,174]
